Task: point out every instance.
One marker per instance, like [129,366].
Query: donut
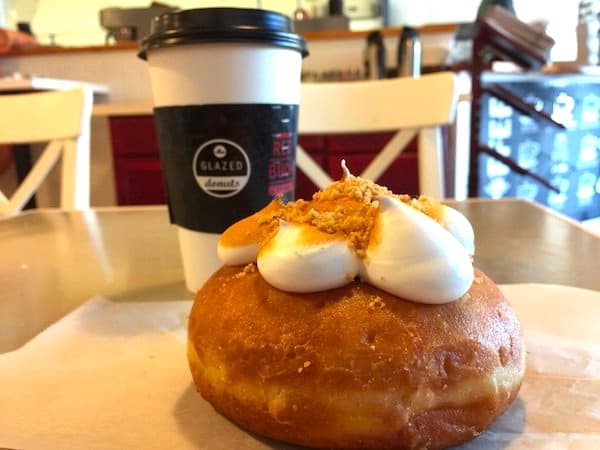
[354,367]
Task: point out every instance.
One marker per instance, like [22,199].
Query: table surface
[51,261]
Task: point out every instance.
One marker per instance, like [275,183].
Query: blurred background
[544,117]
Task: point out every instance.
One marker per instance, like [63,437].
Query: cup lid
[193,26]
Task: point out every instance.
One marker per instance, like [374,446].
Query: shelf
[516,167]
[517,103]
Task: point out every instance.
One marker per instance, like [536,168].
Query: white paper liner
[115,375]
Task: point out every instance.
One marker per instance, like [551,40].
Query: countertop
[310,36]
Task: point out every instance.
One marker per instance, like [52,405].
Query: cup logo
[221,168]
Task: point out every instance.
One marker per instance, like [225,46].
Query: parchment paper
[115,375]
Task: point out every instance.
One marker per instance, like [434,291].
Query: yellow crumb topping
[248,269]
[345,209]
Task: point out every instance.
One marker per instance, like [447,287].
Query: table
[51,261]
[26,83]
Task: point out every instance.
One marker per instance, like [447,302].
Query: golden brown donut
[354,367]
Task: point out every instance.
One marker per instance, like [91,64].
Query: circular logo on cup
[221,168]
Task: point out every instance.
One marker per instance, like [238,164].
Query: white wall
[419,12]
[76,22]
[446,11]
[561,16]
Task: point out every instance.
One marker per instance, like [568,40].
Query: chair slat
[36,175]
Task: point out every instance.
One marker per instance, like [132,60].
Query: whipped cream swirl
[409,254]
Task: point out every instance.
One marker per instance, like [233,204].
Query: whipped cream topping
[416,258]
[293,263]
[409,253]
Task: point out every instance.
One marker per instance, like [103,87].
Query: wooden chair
[410,105]
[61,118]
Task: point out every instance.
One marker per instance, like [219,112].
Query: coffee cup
[226,87]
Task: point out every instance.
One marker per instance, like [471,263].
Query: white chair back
[61,118]
[410,105]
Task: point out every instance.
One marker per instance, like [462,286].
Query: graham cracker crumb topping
[349,208]
[376,302]
[248,268]
[345,209]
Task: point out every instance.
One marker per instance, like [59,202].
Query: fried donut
[354,367]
